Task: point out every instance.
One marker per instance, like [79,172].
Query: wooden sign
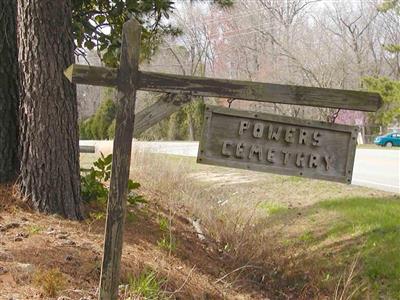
[277,144]
[231,138]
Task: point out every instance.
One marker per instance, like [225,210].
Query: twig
[184,283]
[347,281]
[237,269]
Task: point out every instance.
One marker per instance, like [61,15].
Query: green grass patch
[374,223]
[307,237]
[147,285]
[272,208]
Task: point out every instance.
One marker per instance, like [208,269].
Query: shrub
[85,132]
[182,125]
[94,182]
[390,92]
[103,118]
[98,126]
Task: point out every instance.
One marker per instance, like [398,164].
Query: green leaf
[89,44]
[133,185]
[136,199]
[108,159]
[100,19]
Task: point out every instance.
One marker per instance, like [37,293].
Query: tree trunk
[49,115]
[8,90]
[191,126]
[172,128]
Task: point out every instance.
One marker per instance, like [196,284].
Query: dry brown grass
[10,198]
[271,230]
[51,281]
[241,211]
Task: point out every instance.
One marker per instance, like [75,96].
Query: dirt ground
[31,244]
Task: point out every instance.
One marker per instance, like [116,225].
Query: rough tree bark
[8,90]
[49,115]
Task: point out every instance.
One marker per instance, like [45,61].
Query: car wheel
[389,144]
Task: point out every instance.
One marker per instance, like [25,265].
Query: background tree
[388,88]
[8,90]
[98,24]
[390,92]
[330,44]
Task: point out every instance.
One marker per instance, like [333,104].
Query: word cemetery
[231,138]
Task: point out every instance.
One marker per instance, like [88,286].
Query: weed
[163,223]
[98,215]
[168,241]
[307,237]
[94,183]
[147,285]
[130,216]
[50,281]
[34,229]
[93,179]
[133,197]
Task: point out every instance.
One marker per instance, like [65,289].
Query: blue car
[388,140]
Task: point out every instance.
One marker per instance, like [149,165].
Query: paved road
[379,169]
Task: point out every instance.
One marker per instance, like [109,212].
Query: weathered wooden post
[127,85]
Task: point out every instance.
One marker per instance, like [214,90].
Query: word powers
[277,144]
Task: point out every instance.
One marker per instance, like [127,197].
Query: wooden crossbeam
[161,109]
[245,90]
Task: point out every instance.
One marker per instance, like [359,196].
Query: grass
[307,237]
[376,147]
[375,223]
[34,229]
[299,225]
[168,241]
[147,286]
